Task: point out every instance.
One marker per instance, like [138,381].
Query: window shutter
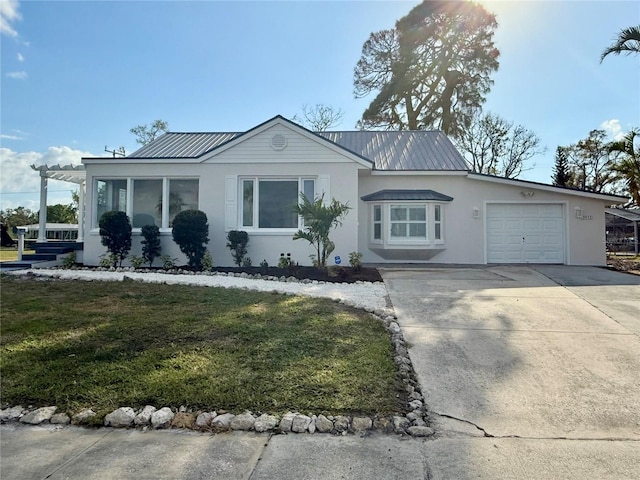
[230,202]
[324,188]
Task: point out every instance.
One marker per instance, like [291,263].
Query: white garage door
[525,233]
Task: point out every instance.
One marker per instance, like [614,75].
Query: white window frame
[256,201]
[375,222]
[438,211]
[129,203]
[407,238]
[387,241]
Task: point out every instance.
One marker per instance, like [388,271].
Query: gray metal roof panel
[390,151]
[404,150]
[183,145]
[405,195]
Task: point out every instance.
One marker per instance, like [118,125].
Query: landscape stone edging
[414,423]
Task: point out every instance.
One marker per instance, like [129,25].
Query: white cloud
[20,57]
[22,75]
[10,137]
[9,14]
[18,176]
[613,128]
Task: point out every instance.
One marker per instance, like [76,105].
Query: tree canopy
[431,71]
[14,217]
[147,133]
[626,153]
[494,146]
[628,41]
[319,118]
[562,176]
[591,164]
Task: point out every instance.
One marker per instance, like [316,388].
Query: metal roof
[404,195]
[632,215]
[405,150]
[391,151]
[183,145]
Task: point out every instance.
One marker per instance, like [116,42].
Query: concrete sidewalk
[58,453]
[71,453]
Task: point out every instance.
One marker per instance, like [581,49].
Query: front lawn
[109,344]
[8,254]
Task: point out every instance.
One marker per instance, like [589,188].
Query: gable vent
[278,142]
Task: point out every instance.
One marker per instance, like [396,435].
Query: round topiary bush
[191,233]
[115,230]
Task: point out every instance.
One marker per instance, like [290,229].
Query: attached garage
[525,233]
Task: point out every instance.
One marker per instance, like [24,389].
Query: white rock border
[414,423]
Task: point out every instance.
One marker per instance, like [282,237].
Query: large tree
[15,217]
[61,213]
[319,118]
[431,71]
[562,175]
[494,146]
[626,154]
[147,133]
[628,42]
[591,165]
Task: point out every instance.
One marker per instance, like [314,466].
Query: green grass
[8,254]
[106,344]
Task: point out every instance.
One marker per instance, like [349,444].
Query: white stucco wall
[347,178]
[465,235]
[253,157]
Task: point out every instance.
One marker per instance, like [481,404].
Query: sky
[75,77]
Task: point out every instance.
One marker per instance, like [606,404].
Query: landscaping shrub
[355,260]
[70,260]
[115,230]
[319,220]
[151,248]
[207,262]
[167,262]
[237,241]
[136,261]
[191,233]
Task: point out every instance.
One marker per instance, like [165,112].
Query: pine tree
[562,174]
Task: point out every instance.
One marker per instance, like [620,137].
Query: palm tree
[628,41]
[319,220]
[628,166]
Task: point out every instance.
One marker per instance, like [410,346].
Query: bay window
[397,224]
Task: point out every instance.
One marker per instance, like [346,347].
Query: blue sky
[76,76]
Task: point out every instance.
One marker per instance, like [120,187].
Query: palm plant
[628,41]
[627,165]
[319,220]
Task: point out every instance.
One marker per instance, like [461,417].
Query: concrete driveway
[532,355]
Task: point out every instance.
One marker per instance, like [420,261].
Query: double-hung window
[270,203]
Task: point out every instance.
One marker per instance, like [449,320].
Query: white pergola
[66,173]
